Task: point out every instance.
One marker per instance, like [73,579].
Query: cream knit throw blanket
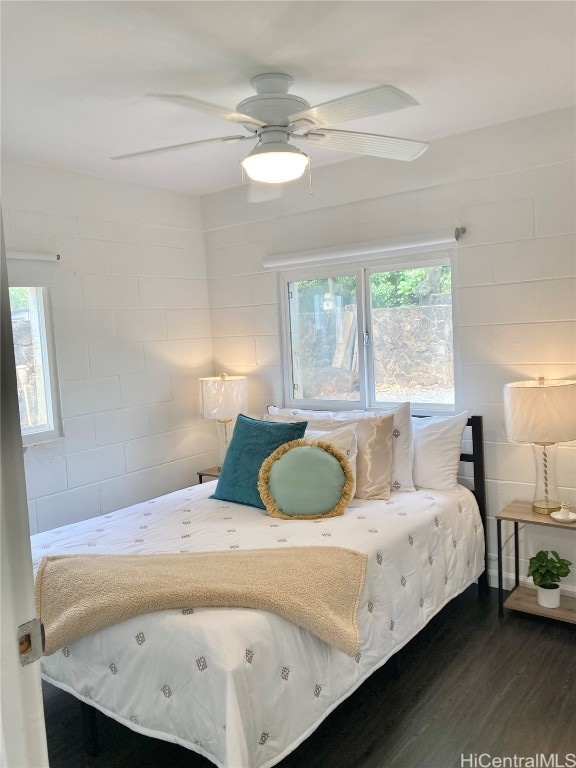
[317,588]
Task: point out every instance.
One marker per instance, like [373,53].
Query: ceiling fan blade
[366,143]
[205,106]
[157,150]
[374,101]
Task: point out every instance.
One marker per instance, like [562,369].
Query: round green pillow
[306,479]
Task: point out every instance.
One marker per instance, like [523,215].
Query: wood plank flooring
[469,684]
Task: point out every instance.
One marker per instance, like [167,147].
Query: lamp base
[546,491]
[545,507]
[223,439]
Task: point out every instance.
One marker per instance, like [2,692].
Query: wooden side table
[524,598]
[210,472]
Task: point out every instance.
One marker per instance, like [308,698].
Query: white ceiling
[75,74]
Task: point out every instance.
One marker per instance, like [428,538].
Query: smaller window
[323,339]
[35,374]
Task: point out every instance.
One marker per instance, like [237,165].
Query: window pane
[30,352]
[412,335]
[324,339]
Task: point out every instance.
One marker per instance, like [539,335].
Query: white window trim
[34,269]
[34,435]
[362,269]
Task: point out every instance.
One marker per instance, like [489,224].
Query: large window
[39,416]
[372,336]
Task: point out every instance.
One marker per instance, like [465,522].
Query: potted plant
[546,571]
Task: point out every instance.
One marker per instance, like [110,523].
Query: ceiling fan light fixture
[275,163]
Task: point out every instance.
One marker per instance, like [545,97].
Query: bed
[244,686]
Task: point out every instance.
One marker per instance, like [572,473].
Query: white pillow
[374,458]
[437,446]
[401,443]
[343,438]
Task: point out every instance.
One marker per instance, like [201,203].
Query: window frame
[362,271]
[35,435]
[319,273]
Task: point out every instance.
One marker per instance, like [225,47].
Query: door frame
[23,731]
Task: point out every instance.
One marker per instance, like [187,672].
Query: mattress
[240,686]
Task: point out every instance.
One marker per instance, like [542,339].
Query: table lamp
[543,413]
[222,398]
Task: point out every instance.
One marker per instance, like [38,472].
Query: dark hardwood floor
[469,684]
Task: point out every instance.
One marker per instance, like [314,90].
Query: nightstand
[210,472]
[524,598]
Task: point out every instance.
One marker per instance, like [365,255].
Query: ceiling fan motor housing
[273,105]
[272,109]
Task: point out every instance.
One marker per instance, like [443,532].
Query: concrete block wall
[513,187]
[132,332]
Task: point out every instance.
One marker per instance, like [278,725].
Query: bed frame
[475,457]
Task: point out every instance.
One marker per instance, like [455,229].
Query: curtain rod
[33,255]
[397,246]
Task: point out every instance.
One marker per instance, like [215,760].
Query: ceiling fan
[275,117]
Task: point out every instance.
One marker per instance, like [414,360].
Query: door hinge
[30,641]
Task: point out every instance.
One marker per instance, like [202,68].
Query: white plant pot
[549,598]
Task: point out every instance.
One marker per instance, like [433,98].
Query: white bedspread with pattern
[240,686]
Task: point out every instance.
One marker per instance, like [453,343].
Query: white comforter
[245,687]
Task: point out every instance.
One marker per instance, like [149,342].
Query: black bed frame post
[89,729]
[475,422]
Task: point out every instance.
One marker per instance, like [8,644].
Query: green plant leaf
[547,570]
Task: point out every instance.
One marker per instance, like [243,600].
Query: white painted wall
[133,334]
[513,187]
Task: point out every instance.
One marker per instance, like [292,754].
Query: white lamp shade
[275,163]
[542,411]
[222,397]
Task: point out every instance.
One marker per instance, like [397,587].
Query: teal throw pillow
[306,479]
[253,440]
